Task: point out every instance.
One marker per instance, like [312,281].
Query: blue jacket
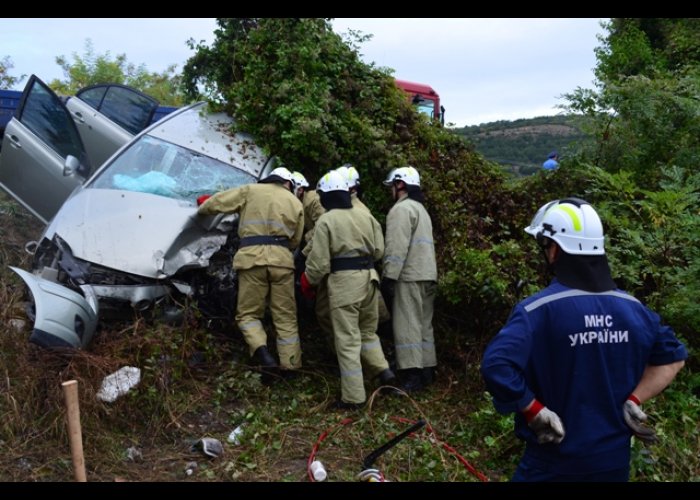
[580,354]
[550,164]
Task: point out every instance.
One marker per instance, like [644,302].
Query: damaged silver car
[129,237]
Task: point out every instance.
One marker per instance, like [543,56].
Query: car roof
[210,134]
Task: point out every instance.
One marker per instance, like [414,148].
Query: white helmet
[299,181]
[283,173]
[350,174]
[407,174]
[332,181]
[573,223]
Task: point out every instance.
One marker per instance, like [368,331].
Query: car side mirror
[71,165]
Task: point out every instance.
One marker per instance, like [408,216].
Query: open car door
[108,116]
[43,158]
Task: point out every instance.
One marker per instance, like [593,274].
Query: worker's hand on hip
[545,423]
[635,418]
[306,289]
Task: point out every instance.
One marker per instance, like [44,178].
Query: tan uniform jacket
[344,233]
[357,203]
[312,211]
[410,249]
[264,209]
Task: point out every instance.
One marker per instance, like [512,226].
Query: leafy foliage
[675,414]
[645,46]
[92,69]
[8,81]
[645,116]
[296,86]
[645,113]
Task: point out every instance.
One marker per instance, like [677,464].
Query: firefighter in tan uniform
[270,227]
[299,187]
[350,173]
[410,277]
[312,211]
[346,243]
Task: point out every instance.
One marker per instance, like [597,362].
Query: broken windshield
[155,166]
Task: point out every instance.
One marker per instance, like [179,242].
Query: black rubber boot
[411,380]
[268,366]
[428,375]
[289,375]
[343,405]
[263,356]
[387,377]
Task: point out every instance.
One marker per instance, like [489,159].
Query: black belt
[351,263]
[282,241]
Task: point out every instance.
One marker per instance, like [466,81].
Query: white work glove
[545,423]
[635,418]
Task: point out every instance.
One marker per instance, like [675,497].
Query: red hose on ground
[320,439]
[480,476]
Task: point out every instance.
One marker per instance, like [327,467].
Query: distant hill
[521,146]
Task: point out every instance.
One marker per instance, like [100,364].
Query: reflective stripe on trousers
[255,286]
[412,319]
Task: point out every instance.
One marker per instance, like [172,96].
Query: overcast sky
[484,69]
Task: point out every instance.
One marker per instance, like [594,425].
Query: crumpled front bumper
[63,317]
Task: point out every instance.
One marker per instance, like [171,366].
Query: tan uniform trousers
[323,308]
[413,324]
[255,285]
[355,347]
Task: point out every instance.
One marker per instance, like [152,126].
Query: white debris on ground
[118,383]
[235,436]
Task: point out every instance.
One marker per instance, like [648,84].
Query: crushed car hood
[138,233]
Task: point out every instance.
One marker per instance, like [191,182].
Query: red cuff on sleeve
[532,412]
[202,199]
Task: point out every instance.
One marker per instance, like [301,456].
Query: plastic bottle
[318,471]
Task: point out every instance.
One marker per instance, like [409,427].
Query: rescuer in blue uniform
[575,361]
[552,161]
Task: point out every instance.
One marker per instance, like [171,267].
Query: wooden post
[70,393]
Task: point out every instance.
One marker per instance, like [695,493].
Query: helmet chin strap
[398,190]
[548,265]
[545,253]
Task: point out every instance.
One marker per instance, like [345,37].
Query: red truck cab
[424,97]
